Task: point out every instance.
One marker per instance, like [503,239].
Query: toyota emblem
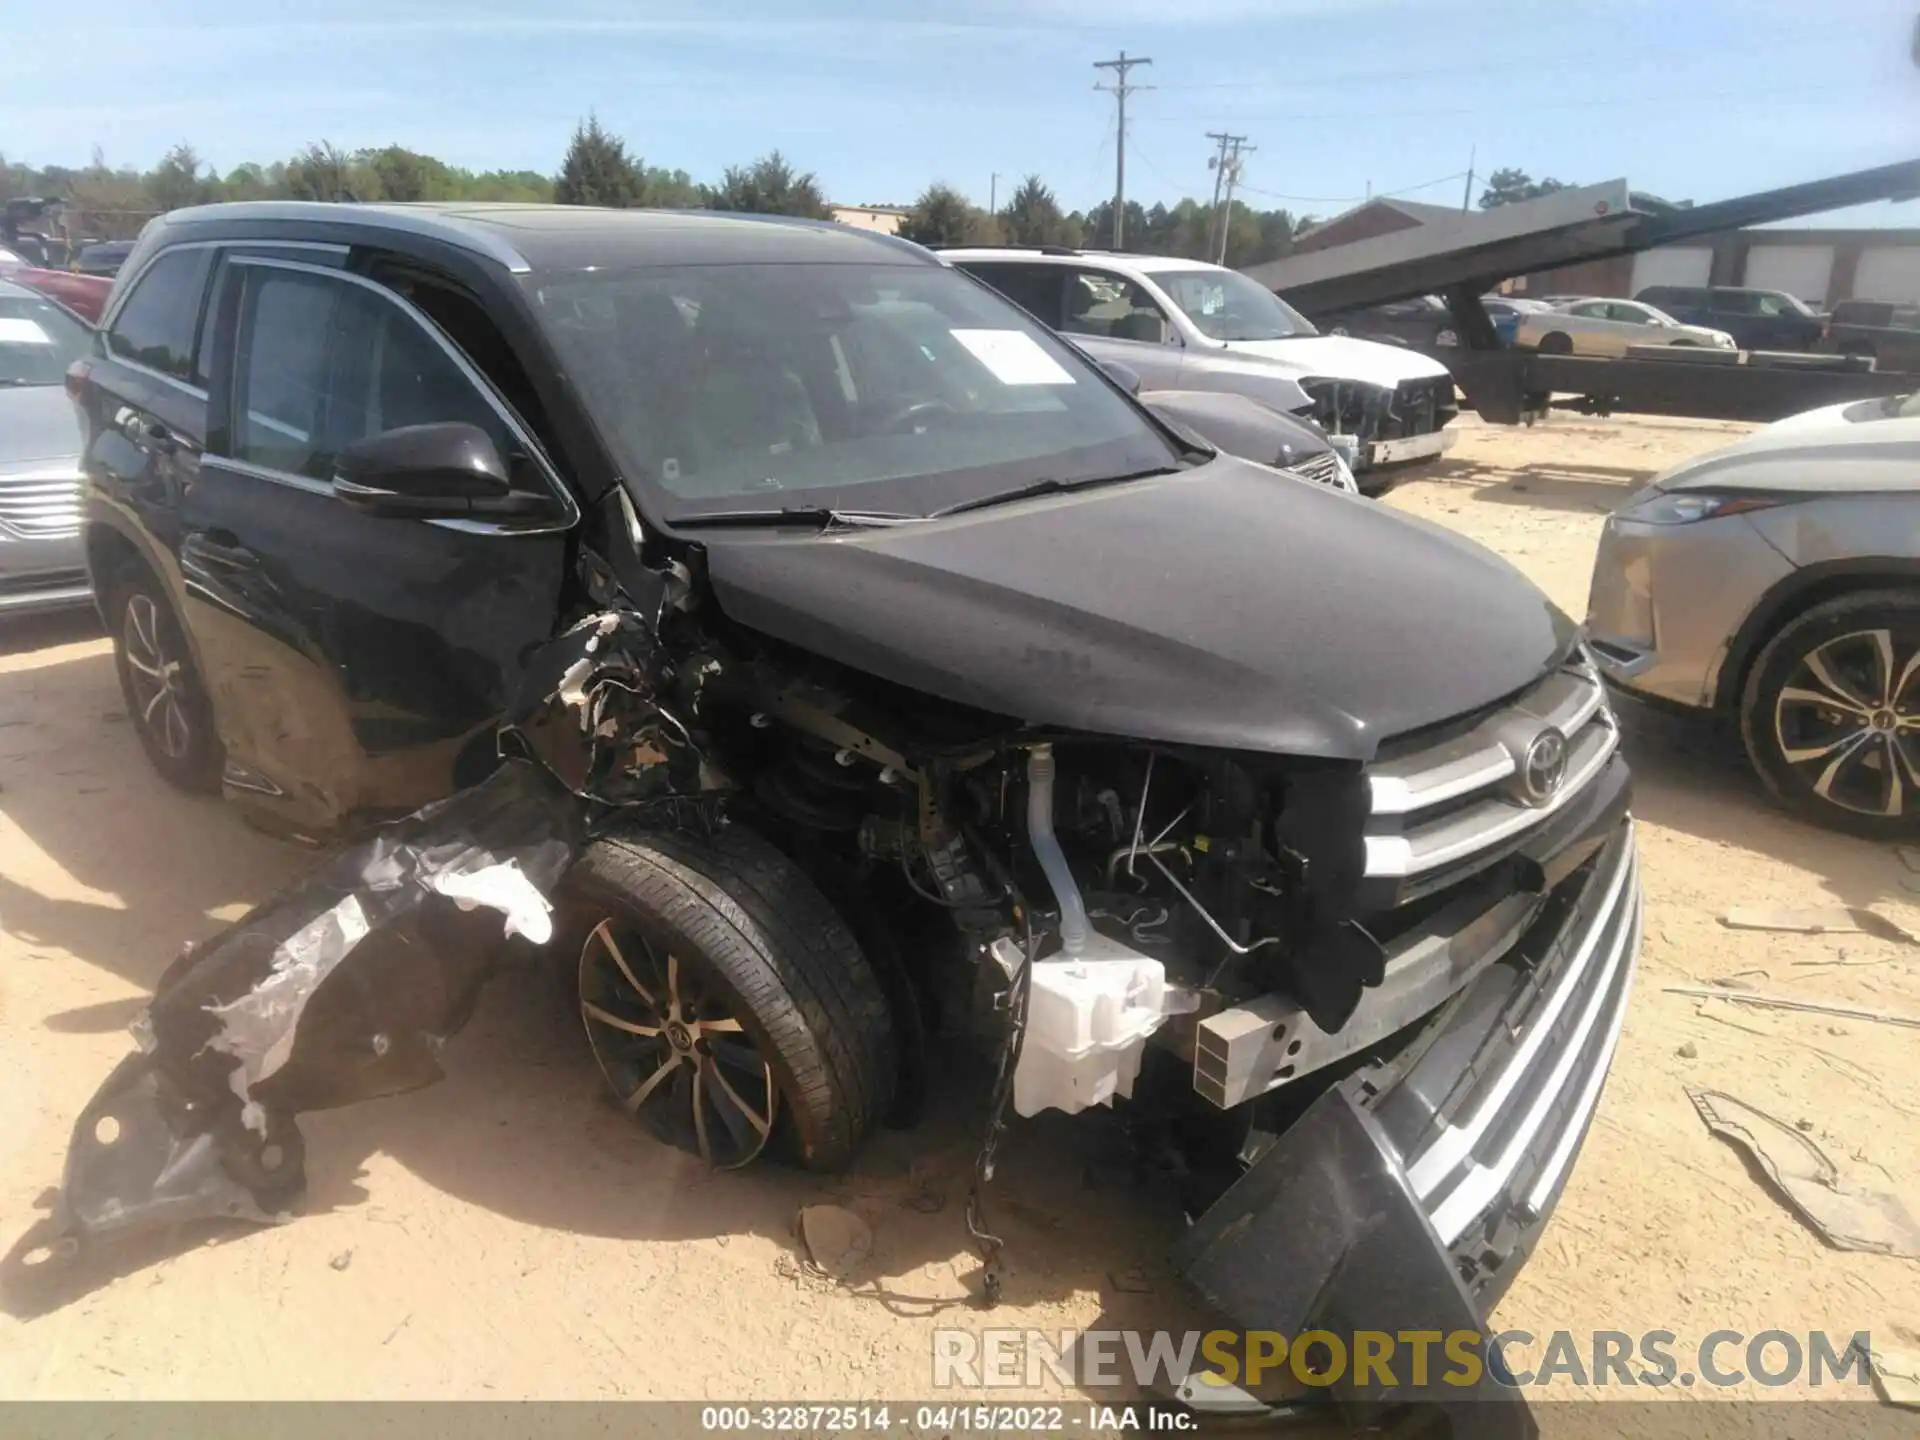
[1544,767]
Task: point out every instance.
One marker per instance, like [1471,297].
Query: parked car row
[1609,328]
[913,662]
[1756,319]
[85,295]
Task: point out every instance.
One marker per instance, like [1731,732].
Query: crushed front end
[1392,424]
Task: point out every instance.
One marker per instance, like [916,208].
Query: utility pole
[1120,90]
[993,193]
[1473,154]
[1217,164]
[1226,167]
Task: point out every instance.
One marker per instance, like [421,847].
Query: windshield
[38,341]
[1226,305]
[882,388]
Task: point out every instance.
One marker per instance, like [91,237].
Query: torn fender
[344,985]
[340,988]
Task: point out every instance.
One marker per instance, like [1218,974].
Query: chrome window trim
[118,299]
[420,220]
[570,508]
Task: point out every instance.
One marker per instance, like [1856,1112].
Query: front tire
[1830,714]
[727,1003]
[165,698]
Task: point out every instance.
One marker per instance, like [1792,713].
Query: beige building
[884,218]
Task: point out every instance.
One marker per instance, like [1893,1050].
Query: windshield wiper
[1053,487]
[825,517]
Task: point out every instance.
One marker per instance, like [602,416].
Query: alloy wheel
[1848,722]
[672,1050]
[156,678]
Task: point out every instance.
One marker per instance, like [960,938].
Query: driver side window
[1113,308]
[323,362]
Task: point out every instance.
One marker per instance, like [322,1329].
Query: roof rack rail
[1030,249]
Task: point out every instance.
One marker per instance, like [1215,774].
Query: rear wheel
[1556,343]
[1831,714]
[165,699]
[728,1005]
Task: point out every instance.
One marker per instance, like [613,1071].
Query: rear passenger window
[155,327]
[1112,307]
[1034,288]
[324,362]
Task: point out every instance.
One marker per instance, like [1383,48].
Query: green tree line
[1032,216]
[599,168]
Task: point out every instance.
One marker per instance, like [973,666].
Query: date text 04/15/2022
[941,1419]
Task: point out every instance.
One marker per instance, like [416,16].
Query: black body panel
[1225,606]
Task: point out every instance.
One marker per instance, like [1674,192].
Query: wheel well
[1793,596]
[107,551]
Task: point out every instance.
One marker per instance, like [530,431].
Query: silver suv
[1187,325]
[41,566]
[1777,582]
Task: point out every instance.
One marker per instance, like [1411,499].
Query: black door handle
[217,550]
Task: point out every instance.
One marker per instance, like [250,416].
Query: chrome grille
[40,507]
[1322,469]
[1509,1137]
[1444,803]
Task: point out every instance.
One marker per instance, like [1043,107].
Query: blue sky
[1692,99]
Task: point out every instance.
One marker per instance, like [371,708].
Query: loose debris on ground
[837,1241]
[1766,1001]
[1808,1181]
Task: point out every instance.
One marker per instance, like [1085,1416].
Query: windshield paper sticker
[26,332]
[1014,357]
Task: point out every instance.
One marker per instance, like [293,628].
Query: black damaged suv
[994,684]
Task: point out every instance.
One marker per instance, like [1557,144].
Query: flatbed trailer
[1508,385]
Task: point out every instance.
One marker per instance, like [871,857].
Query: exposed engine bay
[1070,896]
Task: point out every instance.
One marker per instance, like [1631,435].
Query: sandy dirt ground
[508,1234]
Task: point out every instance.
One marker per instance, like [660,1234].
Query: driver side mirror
[1125,376]
[450,469]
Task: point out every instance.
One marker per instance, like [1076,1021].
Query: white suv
[1187,325]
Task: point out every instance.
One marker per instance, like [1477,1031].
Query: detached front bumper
[1410,1193]
[1413,447]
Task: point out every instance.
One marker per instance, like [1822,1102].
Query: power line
[1355,199]
[1120,89]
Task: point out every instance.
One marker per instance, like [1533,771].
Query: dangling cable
[989,1244]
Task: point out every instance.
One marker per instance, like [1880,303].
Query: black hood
[1225,606]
